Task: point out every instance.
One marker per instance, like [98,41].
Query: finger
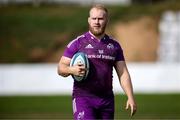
[80,63]
[133,113]
[133,110]
[82,68]
[127,106]
[82,72]
[81,75]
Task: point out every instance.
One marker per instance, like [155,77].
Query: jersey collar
[91,36]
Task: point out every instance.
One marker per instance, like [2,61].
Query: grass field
[150,106]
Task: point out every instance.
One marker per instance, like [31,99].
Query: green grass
[24,28]
[150,106]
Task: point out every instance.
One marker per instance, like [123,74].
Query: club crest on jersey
[89,46]
[110,46]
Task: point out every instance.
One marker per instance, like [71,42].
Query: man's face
[97,21]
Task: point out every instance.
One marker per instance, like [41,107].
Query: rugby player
[93,98]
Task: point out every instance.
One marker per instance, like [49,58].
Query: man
[93,98]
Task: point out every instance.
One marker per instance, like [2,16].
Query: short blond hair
[101,7]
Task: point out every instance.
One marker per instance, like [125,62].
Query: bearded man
[93,98]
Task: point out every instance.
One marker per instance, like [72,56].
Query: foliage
[36,34]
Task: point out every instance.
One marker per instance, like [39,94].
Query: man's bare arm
[125,81]
[64,68]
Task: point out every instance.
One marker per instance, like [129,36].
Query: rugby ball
[82,58]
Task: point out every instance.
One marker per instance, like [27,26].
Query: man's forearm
[127,86]
[63,70]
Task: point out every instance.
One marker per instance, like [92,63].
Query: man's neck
[98,37]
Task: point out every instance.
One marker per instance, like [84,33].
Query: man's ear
[89,20]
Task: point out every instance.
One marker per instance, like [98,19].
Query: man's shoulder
[77,39]
[82,36]
[112,40]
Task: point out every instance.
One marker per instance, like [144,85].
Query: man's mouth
[97,26]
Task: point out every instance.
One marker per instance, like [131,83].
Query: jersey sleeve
[71,48]
[119,55]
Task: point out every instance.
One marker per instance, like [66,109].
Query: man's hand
[78,70]
[132,105]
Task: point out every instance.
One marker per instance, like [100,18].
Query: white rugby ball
[82,58]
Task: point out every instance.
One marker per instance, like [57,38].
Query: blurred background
[34,34]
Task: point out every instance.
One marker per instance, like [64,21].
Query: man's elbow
[64,75]
[61,73]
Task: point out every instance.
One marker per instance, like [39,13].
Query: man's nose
[97,21]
